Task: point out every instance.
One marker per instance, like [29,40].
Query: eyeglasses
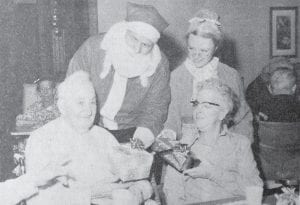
[195,103]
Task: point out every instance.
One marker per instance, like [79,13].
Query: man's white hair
[71,83]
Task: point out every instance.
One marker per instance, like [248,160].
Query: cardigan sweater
[234,168]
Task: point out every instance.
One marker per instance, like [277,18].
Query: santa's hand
[168,133]
[137,144]
[144,135]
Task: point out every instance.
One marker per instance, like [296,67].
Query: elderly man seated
[88,147]
[280,103]
[259,87]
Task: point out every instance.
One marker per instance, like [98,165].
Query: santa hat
[145,20]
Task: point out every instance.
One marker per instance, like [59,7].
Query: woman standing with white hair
[227,165]
[203,38]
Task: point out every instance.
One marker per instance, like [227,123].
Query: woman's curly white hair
[69,85]
[229,96]
[205,23]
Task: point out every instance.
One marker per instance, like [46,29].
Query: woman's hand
[204,170]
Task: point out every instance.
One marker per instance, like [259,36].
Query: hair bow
[202,20]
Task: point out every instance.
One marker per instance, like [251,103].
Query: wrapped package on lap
[175,154]
[162,144]
[131,164]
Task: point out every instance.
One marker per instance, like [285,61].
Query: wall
[245,23]
[9,85]
[26,52]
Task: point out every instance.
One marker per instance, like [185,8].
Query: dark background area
[26,52]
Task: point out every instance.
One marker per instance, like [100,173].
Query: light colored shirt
[89,155]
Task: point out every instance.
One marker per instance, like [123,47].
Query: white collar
[204,73]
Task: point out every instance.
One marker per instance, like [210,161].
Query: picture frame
[283,31]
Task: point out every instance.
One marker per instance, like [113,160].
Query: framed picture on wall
[283,31]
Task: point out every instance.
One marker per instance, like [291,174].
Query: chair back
[279,150]
[280,135]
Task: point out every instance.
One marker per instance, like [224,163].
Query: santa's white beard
[128,63]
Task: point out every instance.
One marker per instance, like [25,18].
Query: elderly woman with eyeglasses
[203,39]
[227,165]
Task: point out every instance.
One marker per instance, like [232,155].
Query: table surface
[21,131]
[267,200]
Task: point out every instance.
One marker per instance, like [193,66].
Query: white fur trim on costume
[114,101]
[144,29]
[125,66]
[117,55]
[112,36]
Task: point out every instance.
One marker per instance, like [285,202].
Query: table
[267,200]
[21,131]
[20,135]
[220,201]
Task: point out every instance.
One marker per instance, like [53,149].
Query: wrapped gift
[288,197]
[131,164]
[175,154]
[162,144]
